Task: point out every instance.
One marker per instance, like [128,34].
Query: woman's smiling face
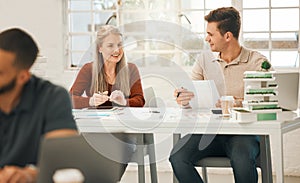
[111,48]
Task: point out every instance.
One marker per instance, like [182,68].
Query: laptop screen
[288,89]
[76,152]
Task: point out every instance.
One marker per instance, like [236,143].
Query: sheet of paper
[206,94]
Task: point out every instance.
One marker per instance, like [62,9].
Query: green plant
[265,65]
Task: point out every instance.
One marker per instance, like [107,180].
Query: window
[272,35]
[83,18]
[276,33]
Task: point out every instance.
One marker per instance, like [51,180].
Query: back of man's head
[228,19]
[21,44]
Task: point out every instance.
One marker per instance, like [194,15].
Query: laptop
[206,94]
[76,152]
[288,89]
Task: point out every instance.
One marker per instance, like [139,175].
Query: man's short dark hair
[20,43]
[228,19]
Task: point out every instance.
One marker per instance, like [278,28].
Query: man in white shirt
[223,29]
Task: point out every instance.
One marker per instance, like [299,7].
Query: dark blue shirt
[43,107]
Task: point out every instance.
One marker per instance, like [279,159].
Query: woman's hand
[98,98]
[118,97]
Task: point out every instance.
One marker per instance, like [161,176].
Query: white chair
[263,161]
[146,144]
[150,99]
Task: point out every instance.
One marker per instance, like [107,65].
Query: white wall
[44,20]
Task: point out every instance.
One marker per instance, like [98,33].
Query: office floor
[166,177]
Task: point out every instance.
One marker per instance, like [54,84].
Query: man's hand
[237,102]
[183,96]
[14,174]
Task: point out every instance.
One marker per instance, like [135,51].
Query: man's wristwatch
[186,106]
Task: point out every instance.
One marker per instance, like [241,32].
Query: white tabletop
[171,120]
[182,121]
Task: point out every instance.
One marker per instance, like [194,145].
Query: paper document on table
[96,113]
[206,94]
[91,114]
[142,114]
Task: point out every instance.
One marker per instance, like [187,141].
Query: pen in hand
[104,93]
[178,93]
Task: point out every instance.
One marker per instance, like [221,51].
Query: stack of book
[260,97]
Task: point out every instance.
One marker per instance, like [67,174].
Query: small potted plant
[265,66]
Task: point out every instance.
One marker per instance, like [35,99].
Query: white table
[175,120]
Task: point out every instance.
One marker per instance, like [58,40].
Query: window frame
[236,3]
